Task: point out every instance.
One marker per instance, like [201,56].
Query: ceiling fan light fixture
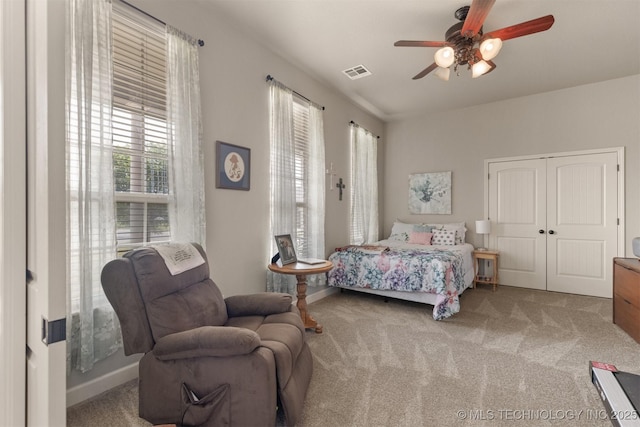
[442,73]
[480,68]
[490,48]
[444,57]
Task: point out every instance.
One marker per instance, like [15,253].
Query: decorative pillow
[420,238]
[443,237]
[400,231]
[458,227]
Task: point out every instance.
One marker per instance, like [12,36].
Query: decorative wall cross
[340,186]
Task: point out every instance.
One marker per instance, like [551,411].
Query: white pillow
[443,237]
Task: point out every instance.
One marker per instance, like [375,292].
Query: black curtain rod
[269,78]
[200,41]
[355,124]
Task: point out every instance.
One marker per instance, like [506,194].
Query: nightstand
[491,256]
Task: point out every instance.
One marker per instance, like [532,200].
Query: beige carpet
[510,356]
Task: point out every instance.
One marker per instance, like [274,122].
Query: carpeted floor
[511,356]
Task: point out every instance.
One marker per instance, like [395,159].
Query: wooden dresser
[626,295]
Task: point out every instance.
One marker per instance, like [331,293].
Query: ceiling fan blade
[419,43]
[426,71]
[522,29]
[475,17]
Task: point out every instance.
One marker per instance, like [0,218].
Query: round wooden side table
[301,271]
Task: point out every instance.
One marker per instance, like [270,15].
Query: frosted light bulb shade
[483,226]
[442,73]
[489,48]
[480,68]
[444,57]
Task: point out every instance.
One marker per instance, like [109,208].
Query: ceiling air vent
[357,72]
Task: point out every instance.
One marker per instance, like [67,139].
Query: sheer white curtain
[282,167]
[364,186]
[92,326]
[316,191]
[297,159]
[186,164]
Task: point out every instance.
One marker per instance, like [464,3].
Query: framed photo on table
[286,249]
[233,166]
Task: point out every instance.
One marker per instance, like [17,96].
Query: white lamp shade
[480,68]
[636,246]
[483,226]
[442,73]
[444,57]
[489,48]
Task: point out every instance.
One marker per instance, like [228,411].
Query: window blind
[301,139]
[139,121]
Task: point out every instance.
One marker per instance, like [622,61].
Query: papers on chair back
[179,257]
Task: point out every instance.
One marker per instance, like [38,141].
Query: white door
[554,221]
[46,237]
[12,212]
[517,209]
[582,223]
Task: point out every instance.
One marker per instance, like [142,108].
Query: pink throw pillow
[420,238]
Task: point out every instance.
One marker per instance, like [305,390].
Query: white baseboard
[101,384]
[317,296]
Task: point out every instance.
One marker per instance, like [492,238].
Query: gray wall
[600,115]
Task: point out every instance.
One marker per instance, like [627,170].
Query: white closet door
[517,209]
[582,223]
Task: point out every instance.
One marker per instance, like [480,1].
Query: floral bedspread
[437,271]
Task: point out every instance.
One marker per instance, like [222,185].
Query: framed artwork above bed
[430,193]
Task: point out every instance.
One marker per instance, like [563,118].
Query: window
[139,121]
[122,138]
[297,177]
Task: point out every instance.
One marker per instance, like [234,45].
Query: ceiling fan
[466,44]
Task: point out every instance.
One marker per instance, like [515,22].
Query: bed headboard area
[452,233]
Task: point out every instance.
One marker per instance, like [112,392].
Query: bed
[427,263]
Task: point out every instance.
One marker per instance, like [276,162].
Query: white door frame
[12,211]
[46,212]
[621,189]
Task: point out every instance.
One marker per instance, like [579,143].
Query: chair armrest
[261,304]
[219,341]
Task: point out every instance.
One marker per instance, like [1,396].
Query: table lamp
[483,226]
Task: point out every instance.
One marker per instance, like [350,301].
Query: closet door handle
[541,231]
[552,232]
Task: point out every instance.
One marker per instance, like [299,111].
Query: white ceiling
[590,41]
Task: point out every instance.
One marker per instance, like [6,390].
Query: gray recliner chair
[208,360]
